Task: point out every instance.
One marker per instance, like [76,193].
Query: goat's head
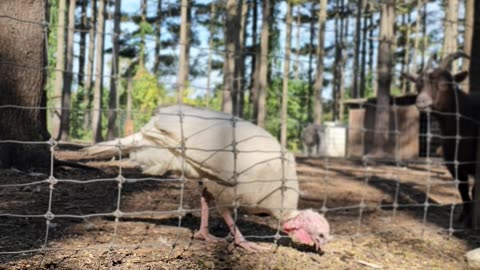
[436,86]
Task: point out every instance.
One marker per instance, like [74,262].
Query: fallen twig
[370,264]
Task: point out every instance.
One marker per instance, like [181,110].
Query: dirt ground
[375,236]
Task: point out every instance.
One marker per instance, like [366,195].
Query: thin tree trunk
[416,44]
[451,30]
[143,8]
[232,45]
[90,63]
[115,74]
[467,39]
[242,59]
[338,61]
[158,41]
[263,67]
[187,54]
[98,91]
[255,62]
[318,85]
[82,43]
[23,86]
[371,47]
[286,75]
[424,33]
[68,74]
[209,93]
[363,52]
[343,61]
[357,43]
[59,69]
[310,63]
[406,59]
[384,70]
[183,60]
[297,55]
[129,124]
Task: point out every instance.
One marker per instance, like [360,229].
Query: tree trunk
[143,8]
[318,85]
[475,51]
[231,64]
[261,84]
[158,41]
[59,69]
[183,60]
[343,61]
[82,43]
[187,49]
[416,44]
[356,54]
[406,58]
[115,73]
[467,39]
[68,75]
[384,73]
[209,93]
[23,86]
[286,75]
[339,28]
[227,84]
[310,63]
[364,52]
[371,47]
[129,124]
[242,59]
[90,61]
[98,87]
[424,32]
[255,62]
[297,61]
[451,30]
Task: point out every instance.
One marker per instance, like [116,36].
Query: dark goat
[311,138]
[457,114]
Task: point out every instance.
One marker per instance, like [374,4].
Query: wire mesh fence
[360,195]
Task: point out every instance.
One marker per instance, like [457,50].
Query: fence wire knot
[181,212]
[117,213]
[52,181]
[120,179]
[52,142]
[49,216]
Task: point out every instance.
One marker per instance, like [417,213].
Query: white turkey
[240,164]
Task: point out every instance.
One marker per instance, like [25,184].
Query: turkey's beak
[322,241]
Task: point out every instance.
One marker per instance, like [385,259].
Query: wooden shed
[409,142]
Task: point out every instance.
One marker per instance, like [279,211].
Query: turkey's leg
[203,232]
[239,238]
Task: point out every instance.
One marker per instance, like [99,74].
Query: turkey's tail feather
[113,148]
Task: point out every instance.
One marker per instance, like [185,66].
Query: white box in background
[333,139]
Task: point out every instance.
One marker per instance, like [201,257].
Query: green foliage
[297,2]
[296,110]
[369,91]
[78,114]
[215,102]
[145,29]
[147,94]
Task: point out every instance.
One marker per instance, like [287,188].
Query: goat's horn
[447,61]
[432,58]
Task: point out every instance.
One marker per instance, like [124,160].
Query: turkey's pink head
[307,227]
